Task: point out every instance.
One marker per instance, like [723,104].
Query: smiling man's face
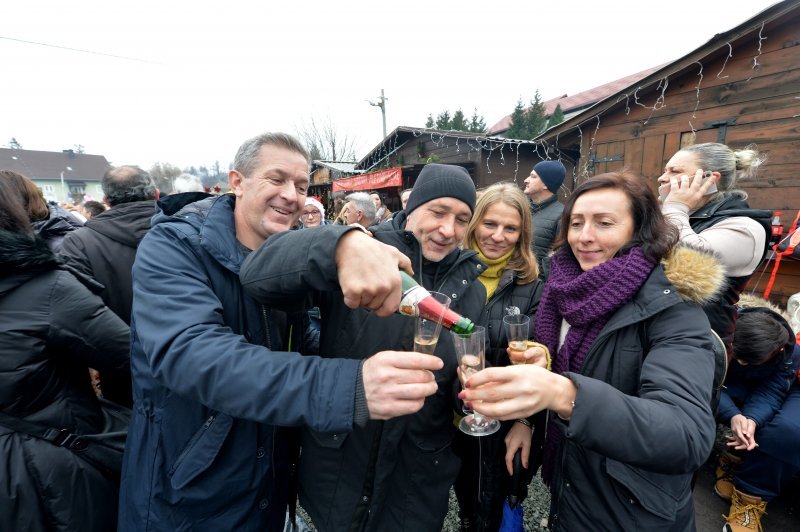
[271,198]
[439,226]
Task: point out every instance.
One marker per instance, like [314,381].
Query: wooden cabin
[742,87]
[488,159]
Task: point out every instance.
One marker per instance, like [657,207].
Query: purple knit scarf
[586,300]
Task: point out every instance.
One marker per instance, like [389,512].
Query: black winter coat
[546,222]
[105,248]
[389,475]
[508,294]
[483,482]
[52,328]
[642,420]
[56,226]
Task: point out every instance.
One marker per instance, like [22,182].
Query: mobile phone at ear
[713,188]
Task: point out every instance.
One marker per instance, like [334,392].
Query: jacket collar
[212,216]
[536,207]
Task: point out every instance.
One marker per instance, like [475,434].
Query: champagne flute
[428,327]
[471,354]
[517,326]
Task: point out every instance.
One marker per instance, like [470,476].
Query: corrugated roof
[348,167]
[404,133]
[49,164]
[581,100]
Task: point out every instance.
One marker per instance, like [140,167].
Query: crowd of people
[253,342]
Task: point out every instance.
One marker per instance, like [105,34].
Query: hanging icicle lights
[545,150]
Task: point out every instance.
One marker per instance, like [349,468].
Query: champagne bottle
[417,299]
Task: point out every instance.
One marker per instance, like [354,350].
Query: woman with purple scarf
[633,366]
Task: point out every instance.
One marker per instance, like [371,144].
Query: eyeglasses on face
[311,213]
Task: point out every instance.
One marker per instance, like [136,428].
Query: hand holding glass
[427,329]
[517,328]
[471,354]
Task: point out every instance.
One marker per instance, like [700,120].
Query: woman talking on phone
[699,196]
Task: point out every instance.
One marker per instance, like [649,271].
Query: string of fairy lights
[542,148]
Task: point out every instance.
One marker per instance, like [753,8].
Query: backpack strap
[58,437]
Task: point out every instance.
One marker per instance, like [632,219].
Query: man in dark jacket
[215,374]
[393,475]
[104,248]
[541,187]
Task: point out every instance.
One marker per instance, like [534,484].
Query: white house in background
[63,176]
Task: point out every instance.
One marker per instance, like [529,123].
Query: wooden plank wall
[763,104]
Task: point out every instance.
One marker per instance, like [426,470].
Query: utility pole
[382,104]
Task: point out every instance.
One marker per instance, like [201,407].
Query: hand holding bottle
[368,273]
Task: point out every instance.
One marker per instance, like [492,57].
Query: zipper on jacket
[193,442]
[265,317]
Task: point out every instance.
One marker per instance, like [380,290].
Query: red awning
[393,177]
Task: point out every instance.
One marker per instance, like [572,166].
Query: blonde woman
[500,231]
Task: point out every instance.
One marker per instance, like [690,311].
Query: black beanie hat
[551,173]
[442,181]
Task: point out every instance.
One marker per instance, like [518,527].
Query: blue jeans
[768,467]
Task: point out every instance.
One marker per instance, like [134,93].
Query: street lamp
[63,186]
[382,104]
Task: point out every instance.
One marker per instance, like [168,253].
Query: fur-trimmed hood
[753,301]
[23,257]
[22,253]
[696,275]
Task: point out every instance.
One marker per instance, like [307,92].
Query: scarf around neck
[586,300]
[490,278]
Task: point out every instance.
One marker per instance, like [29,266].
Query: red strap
[793,242]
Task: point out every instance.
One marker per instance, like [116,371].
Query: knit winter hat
[315,202]
[551,173]
[442,181]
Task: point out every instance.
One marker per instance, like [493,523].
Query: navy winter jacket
[204,449]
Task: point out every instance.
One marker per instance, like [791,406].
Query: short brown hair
[651,232]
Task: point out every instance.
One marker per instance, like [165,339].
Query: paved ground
[783,514]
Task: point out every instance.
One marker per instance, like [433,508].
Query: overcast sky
[192,80]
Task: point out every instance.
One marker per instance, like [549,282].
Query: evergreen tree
[518,128]
[535,118]
[459,121]
[528,123]
[476,123]
[556,118]
[443,120]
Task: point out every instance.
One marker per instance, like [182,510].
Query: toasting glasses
[471,353]
[427,328]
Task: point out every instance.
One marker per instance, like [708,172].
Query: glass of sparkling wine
[516,326]
[426,330]
[471,353]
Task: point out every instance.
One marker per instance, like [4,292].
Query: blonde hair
[523,261]
[732,165]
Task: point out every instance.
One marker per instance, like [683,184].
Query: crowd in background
[250,342]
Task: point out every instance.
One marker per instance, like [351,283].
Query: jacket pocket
[201,450]
[660,495]
[627,368]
